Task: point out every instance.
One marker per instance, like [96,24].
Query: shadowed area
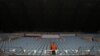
[49,15]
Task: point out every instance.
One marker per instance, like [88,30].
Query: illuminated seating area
[41,46]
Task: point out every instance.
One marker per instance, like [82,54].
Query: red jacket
[53,47]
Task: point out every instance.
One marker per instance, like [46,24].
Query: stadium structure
[38,44]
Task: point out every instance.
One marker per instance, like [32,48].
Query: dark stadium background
[49,15]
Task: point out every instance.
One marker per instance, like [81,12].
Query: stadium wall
[67,35]
[97,37]
[10,36]
[90,37]
[87,37]
[4,36]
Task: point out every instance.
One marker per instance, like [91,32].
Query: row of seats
[33,46]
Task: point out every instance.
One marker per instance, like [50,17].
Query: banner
[50,36]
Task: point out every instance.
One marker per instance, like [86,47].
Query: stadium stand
[67,45]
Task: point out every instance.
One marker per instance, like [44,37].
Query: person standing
[53,48]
